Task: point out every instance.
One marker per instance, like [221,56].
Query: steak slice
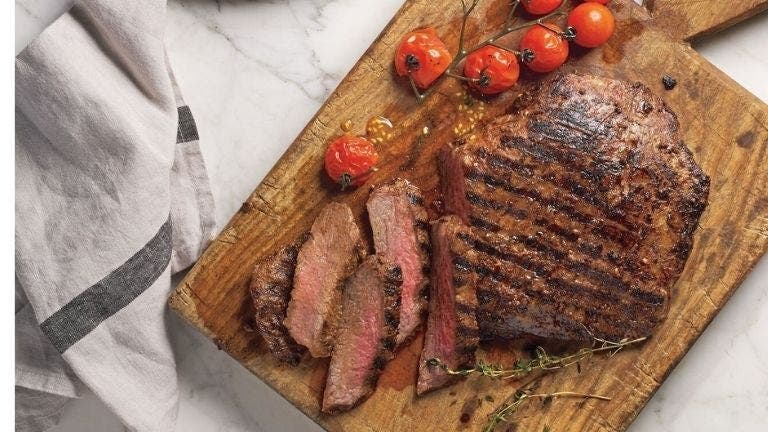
[452,332]
[400,235]
[270,288]
[589,200]
[366,337]
[333,250]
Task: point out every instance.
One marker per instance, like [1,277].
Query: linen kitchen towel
[112,197]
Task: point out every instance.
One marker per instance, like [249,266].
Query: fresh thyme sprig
[520,396]
[462,52]
[542,361]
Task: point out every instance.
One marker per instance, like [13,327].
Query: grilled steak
[399,222]
[333,250]
[270,288]
[452,332]
[582,208]
[366,335]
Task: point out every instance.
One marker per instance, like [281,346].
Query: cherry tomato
[593,23]
[350,160]
[493,69]
[543,48]
[540,7]
[422,55]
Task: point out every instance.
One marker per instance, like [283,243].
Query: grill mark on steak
[484,224]
[476,177]
[415,198]
[623,236]
[560,296]
[270,289]
[333,250]
[476,199]
[556,301]
[580,211]
[422,224]
[496,324]
[607,238]
[584,163]
[544,298]
[464,308]
[564,185]
[551,252]
[366,335]
[589,168]
[535,286]
[452,333]
[647,297]
[562,131]
[400,234]
[559,231]
[534,266]
[551,255]
[466,331]
[570,125]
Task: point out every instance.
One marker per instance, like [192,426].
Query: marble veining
[254,73]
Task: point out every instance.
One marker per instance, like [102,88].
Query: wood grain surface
[692,19]
[724,125]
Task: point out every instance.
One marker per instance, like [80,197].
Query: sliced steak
[271,285]
[452,333]
[400,235]
[583,205]
[366,336]
[333,250]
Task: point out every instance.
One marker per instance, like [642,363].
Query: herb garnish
[463,51]
[542,361]
[520,396]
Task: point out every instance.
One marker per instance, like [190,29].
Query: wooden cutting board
[725,126]
[691,19]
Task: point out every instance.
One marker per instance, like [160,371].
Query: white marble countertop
[254,73]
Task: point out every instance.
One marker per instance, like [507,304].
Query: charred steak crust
[400,233]
[332,251]
[393,281]
[582,206]
[452,332]
[270,288]
[366,336]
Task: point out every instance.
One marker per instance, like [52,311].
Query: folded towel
[112,197]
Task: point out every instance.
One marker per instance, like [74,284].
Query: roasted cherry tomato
[540,7]
[493,70]
[350,160]
[593,23]
[543,48]
[422,55]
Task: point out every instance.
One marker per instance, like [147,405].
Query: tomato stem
[494,44]
[419,96]
[507,30]
[511,15]
[345,181]
[568,34]
[411,62]
[461,77]
[462,53]
[526,56]
[467,12]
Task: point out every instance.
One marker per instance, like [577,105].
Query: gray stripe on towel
[109,295]
[187,130]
